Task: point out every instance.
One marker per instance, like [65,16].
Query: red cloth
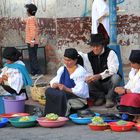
[130,99]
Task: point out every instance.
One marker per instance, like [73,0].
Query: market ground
[68,132]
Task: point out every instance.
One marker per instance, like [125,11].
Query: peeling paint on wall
[65,23]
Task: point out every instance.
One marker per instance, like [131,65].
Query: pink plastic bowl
[47,123]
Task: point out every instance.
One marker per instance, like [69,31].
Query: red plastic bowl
[121,128]
[137,125]
[47,123]
[98,127]
[13,115]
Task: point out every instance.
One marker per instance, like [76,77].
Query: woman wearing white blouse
[69,83]
[130,100]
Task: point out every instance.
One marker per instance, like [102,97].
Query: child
[32,38]
[14,75]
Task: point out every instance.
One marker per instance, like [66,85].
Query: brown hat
[11,53]
[96,39]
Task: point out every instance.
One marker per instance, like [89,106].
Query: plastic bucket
[14,104]
[2,111]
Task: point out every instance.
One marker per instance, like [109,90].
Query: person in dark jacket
[102,64]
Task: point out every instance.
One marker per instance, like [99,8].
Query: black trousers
[34,65]
[104,88]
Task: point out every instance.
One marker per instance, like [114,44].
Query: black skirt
[56,101]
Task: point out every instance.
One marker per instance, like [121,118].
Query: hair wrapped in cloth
[135,56]
[11,53]
[73,54]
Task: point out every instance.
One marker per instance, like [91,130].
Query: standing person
[69,83]
[100,19]
[32,38]
[14,76]
[130,99]
[102,64]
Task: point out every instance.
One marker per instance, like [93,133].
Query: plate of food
[3,122]
[24,121]
[52,120]
[13,115]
[121,126]
[98,124]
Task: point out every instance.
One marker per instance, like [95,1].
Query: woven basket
[37,92]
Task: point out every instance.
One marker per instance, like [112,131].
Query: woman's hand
[4,77]
[120,90]
[1,81]
[64,88]
[55,85]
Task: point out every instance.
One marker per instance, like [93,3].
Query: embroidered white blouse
[134,81]
[79,75]
[15,80]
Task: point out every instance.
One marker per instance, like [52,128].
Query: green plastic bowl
[25,124]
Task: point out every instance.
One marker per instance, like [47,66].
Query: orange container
[98,127]
[121,128]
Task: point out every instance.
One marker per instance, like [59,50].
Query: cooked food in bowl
[52,116]
[98,121]
[24,119]
[121,122]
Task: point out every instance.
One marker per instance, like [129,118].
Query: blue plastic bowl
[3,122]
[79,120]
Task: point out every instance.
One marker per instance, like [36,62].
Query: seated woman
[14,76]
[130,99]
[69,83]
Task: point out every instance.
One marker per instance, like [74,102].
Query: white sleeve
[113,65]
[81,88]
[56,79]
[135,88]
[87,65]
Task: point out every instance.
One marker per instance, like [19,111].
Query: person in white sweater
[69,83]
[130,93]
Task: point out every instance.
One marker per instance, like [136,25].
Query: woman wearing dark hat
[14,75]
[69,83]
[130,99]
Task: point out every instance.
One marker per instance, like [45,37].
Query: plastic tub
[1,105]
[15,104]
[98,127]
[121,128]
